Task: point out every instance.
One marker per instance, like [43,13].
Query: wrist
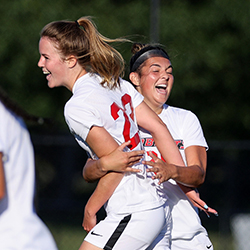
[101,165]
[88,211]
[174,172]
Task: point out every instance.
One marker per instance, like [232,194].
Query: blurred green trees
[208,42]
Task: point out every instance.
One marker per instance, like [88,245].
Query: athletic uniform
[20,227]
[135,198]
[187,232]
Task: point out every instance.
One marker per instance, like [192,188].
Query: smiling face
[156,82]
[53,66]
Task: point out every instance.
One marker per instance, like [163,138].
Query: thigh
[132,231]
[88,246]
[162,241]
[200,241]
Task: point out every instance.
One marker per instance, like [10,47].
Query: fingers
[153,156]
[204,207]
[212,211]
[133,170]
[85,227]
[149,163]
[136,155]
[124,145]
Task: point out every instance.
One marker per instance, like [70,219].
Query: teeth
[45,72]
[164,86]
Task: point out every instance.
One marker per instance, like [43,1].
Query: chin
[51,86]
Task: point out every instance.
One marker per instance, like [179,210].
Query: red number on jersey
[126,99]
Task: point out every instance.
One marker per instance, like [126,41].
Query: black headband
[144,54]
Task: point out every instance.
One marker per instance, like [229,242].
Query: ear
[71,61]
[134,78]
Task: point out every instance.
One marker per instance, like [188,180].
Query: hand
[194,197]
[89,221]
[121,161]
[163,171]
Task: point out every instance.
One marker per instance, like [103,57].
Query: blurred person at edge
[20,226]
[151,73]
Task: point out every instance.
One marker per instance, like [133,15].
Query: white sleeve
[136,97]
[193,133]
[81,118]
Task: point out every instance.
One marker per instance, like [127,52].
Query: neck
[79,74]
[156,109]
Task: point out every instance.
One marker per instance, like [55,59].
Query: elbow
[87,177]
[200,179]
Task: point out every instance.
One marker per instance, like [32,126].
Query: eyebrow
[157,65]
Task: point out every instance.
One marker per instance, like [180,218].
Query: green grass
[221,242]
[70,237]
[67,237]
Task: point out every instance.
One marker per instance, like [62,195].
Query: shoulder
[128,88]
[126,85]
[179,117]
[176,112]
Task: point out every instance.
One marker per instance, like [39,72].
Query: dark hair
[14,108]
[142,52]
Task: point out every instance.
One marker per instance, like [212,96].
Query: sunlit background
[208,42]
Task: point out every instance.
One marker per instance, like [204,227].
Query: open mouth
[161,86]
[46,72]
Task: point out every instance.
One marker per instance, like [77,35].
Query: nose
[165,75]
[40,62]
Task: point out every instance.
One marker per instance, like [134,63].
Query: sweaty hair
[142,52]
[81,39]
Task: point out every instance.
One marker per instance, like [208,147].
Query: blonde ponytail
[92,50]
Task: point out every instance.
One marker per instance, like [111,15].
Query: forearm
[93,170]
[117,160]
[103,192]
[192,176]
[167,147]
[160,133]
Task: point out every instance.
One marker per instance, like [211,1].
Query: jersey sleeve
[193,134]
[137,98]
[81,118]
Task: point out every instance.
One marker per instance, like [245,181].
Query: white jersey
[95,105]
[20,227]
[185,128]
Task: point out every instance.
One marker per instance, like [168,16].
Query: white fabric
[20,227]
[186,131]
[94,105]
[137,233]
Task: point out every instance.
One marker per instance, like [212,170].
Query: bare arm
[150,121]
[96,138]
[2,178]
[117,160]
[193,175]
[102,193]
[170,152]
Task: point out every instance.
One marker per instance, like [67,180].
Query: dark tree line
[208,42]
